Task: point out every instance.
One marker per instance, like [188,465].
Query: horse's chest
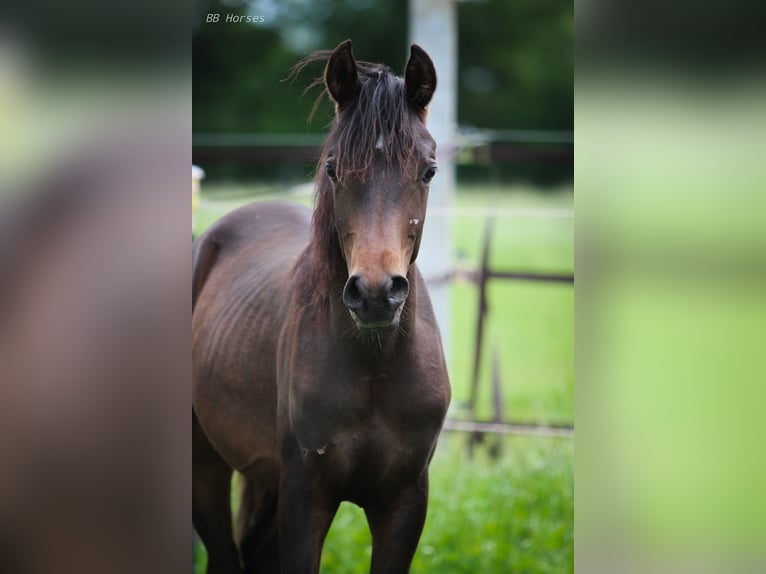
[371,456]
[367,437]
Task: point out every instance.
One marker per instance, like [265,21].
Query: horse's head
[378,162]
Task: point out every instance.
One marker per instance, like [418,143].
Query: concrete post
[433,26]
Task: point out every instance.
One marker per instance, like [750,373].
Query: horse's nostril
[354,293]
[375,303]
[398,291]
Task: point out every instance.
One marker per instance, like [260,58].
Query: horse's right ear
[340,75]
[419,79]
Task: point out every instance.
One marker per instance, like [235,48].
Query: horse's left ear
[419,78]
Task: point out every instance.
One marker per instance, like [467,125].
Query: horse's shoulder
[268,231]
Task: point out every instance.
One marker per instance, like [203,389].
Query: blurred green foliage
[238,68]
[515,66]
[515,71]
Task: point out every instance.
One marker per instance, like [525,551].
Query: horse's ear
[340,75]
[419,78]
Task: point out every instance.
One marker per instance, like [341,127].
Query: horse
[318,369]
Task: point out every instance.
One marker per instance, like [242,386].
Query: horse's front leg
[396,527]
[306,511]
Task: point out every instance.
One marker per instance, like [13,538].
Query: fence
[481,277]
[476,147]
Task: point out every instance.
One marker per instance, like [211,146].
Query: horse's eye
[429,174]
[331,172]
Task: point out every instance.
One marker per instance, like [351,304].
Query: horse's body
[317,361]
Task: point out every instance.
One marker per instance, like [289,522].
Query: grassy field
[514,513]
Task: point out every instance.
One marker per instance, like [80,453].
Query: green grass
[489,516]
[513,514]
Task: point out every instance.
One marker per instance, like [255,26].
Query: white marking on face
[414,221]
[380,143]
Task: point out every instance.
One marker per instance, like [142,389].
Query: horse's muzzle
[376,307]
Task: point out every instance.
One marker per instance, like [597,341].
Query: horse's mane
[380,110]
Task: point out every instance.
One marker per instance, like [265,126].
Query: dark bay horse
[318,370]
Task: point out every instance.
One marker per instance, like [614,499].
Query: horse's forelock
[380,110]
[379,114]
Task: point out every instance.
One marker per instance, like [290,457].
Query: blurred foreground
[671,272]
[94,262]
